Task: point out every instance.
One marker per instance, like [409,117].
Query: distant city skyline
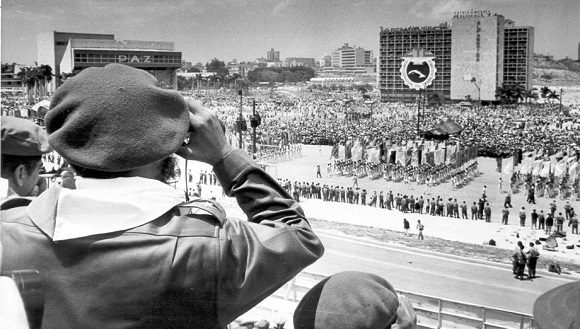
[247,29]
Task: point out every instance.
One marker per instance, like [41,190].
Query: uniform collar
[99,206]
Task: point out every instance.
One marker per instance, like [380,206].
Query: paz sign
[418,69]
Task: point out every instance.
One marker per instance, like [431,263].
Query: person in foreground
[354,300]
[23,144]
[121,250]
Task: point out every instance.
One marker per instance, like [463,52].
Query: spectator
[519,261]
[541,221]
[505,215]
[406,226]
[523,217]
[420,228]
[487,211]
[559,222]
[534,218]
[549,223]
[353,300]
[23,144]
[532,256]
[137,228]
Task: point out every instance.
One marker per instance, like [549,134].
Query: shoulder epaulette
[203,205]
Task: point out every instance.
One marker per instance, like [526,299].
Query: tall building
[473,56]
[347,56]
[51,47]
[86,50]
[272,55]
[299,61]
[477,46]
[396,42]
[326,61]
[518,55]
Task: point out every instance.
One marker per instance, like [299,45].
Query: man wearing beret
[23,144]
[120,250]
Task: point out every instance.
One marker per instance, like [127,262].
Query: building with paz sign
[72,52]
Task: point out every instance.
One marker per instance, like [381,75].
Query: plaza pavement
[477,232]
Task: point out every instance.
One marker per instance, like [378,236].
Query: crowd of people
[171,244]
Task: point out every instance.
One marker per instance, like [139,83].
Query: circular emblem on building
[418,69]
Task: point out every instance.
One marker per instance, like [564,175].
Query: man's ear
[18,175]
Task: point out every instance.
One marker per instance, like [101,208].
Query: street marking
[405,250]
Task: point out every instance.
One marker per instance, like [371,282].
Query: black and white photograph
[290,164]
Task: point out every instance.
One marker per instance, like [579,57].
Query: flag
[341,152]
[573,171]
[560,169]
[409,157]
[545,172]
[373,154]
[430,158]
[415,158]
[451,156]
[348,149]
[537,167]
[392,155]
[507,166]
[357,151]
[401,156]
[439,156]
[527,164]
[334,152]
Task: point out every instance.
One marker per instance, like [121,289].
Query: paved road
[435,275]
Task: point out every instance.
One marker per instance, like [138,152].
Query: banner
[334,152]
[537,167]
[507,166]
[527,164]
[348,150]
[545,172]
[560,169]
[341,152]
[415,158]
[573,171]
[409,157]
[392,156]
[451,154]
[357,151]
[439,156]
[401,156]
[430,158]
[372,154]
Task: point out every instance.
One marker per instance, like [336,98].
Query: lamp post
[240,120]
[474,80]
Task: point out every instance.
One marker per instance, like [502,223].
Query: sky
[247,29]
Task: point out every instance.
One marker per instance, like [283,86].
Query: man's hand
[207,141]
[406,317]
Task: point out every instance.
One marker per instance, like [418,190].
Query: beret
[558,308]
[115,118]
[348,300]
[23,137]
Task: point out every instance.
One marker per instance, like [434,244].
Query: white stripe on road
[440,256]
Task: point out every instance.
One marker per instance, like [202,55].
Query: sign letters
[134,59]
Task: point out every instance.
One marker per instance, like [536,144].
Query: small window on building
[61,43]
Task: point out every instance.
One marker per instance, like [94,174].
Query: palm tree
[531,94]
[45,76]
[29,79]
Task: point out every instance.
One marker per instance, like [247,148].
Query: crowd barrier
[432,312]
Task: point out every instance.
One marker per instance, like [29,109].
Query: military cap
[23,137]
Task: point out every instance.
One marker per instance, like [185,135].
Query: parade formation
[140,190]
